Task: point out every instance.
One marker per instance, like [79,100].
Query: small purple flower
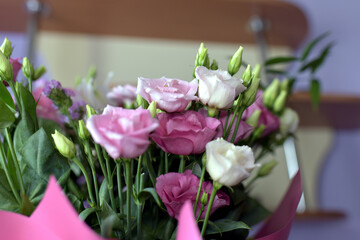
[77,110]
[50,85]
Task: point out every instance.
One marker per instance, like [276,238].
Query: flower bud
[6,48]
[249,96]
[280,102]
[204,198]
[253,120]
[152,109]
[214,65]
[289,121]
[258,132]
[83,132]
[235,62]
[271,93]
[256,71]
[65,146]
[202,58]
[27,68]
[213,112]
[6,70]
[246,77]
[140,101]
[90,111]
[266,168]
[39,72]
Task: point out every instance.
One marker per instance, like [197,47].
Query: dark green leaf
[276,71]
[6,96]
[253,212]
[103,192]
[225,225]
[310,46]
[316,63]
[315,93]
[84,214]
[277,60]
[109,220]
[7,199]
[146,192]
[26,207]
[49,126]
[23,131]
[28,103]
[196,170]
[150,168]
[6,115]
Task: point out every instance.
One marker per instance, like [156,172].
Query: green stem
[199,189]
[212,197]
[119,185]
[91,163]
[128,196]
[242,109]
[17,99]
[87,178]
[182,164]
[110,181]
[227,131]
[8,176]
[227,120]
[17,165]
[138,190]
[140,209]
[30,84]
[166,163]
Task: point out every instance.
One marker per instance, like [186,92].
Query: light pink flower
[122,132]
[171,95]
[175,189]
[184,133]
[217,88]
[122,95]
[271,122]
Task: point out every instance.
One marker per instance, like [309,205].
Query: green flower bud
[140,101]
[92,72]
[202,58]
[90,111]
[65,146]
[83,131]
[235,62]
[287,85]
[253,120]
[6,70]
[27,68]
[6,48]
[152,109]
[259,131]
[159,111]
[214,65]
[249,96]
[204,198]
[39,72]
[271,93]
[256,71]
[246,77]
[266,168]
[280,102]
[213,112]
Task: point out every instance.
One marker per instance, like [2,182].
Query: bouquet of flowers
[129,160]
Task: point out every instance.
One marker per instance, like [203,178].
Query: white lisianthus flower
[228,164]
[217,88]
[289,121]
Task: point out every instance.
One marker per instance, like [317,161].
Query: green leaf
[26,207]
[6,96]
[253,212]
[28,103]
[225,225]
[103,192]
[277,60]
[23,131]
[196,170]
[7,199]
[311,45]
[315,93]
[84,214]
[276,71]
[316,63]
[146,192]
[49,126]
[109,220]
[7,117]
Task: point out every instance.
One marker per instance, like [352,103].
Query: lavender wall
[339,180]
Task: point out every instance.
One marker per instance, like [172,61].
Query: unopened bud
[287,84]
[6,70]
[253,120]
[213,112]
[271,93]
[246,77]
[65,146]
[204,198]
[235,62]
[27,68]
[266,168]
[90,111]
[39,72]
[280,102]
[259,131]
[6,48]
[83,131]
[249,96]
[214,65]
[202,58]
[140,101]
[152,109]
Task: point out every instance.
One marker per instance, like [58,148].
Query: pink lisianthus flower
[121,96]
[175,189]
[184,133]
[122,132]
[171,95]
[269,120]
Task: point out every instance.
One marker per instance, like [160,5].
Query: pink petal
[187,227]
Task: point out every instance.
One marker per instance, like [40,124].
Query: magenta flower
[184,133]
[121,96]
[271,122]
[171,95]
[175,189]
[122,132]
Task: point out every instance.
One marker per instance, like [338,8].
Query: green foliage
[7,117]
[315,93]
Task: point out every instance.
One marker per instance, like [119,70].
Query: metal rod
[33,7]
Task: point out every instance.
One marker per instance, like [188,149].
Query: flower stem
[166,163]
[242,109]
[119,185]
[217,186]
[110,180]
[182,164]
[199,189]
[16,162]
[91,163]
[17,99]
[8,176]
[227,131]
[128,196]
[140,209]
